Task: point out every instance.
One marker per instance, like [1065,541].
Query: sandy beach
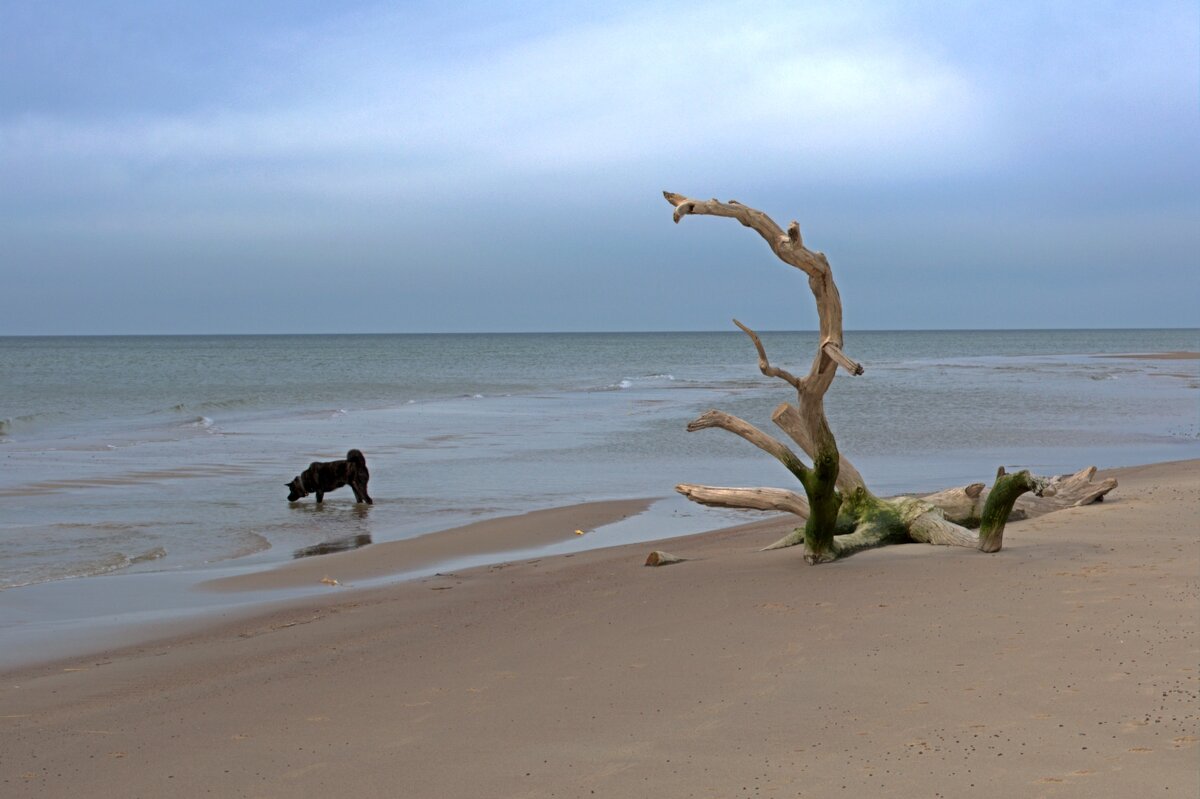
[1065,665]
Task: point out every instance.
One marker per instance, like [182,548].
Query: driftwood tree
[841,514]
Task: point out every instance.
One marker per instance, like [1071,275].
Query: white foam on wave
[156,553]
[200,421]
[628,382]
[9,422]
[102,564]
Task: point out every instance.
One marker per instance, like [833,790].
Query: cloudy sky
[300,166]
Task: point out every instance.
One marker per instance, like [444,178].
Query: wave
[104,564]
[202,406]
[158,553]
[9,422]
[629,382]
[233,402]
[670,382]
[250,543]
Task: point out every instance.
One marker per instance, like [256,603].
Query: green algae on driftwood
[841,515]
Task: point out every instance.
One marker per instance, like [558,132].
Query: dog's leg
[358,497]
[320,496]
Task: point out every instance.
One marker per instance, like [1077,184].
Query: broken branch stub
[660,558]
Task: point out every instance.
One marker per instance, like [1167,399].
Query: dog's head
[296,489]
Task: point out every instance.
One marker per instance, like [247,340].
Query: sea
[124,455]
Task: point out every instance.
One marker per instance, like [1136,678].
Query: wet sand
[1065,665]
[526,531]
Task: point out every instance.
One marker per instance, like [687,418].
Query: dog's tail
[356,456]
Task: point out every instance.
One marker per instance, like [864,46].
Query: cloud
[445,150]
[709,85]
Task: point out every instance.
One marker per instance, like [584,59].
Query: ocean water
[152,454]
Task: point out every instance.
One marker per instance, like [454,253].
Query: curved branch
[758,438]
[765,366]
[819,481]
[964,504]
[1000,502]
[791,250]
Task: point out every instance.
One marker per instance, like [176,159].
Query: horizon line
[586,332]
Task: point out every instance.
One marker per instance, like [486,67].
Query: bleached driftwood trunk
[841,515]
[964,504]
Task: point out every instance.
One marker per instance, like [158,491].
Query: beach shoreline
[162,468]
[66,619]
[490,537]
[1064,663]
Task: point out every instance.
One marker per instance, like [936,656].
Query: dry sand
[1065,665]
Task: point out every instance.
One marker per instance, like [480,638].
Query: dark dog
[321,478]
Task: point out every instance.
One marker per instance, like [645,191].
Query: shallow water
[141,454]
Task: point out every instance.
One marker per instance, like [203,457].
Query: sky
[293,166]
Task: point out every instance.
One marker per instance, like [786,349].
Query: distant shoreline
[1159,356]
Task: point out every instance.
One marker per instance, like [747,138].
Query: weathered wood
[787,419]
[964,504]
[841,515]
[764,365]
[820,480]
[931,527]
[776,499]
[752,434]
[660,558]
[835,352]
[1073,491]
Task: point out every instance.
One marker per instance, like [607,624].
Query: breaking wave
[104,564]
[8,423]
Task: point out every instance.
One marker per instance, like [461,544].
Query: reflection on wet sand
[336,545]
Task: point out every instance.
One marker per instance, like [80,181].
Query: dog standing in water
[321,478]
